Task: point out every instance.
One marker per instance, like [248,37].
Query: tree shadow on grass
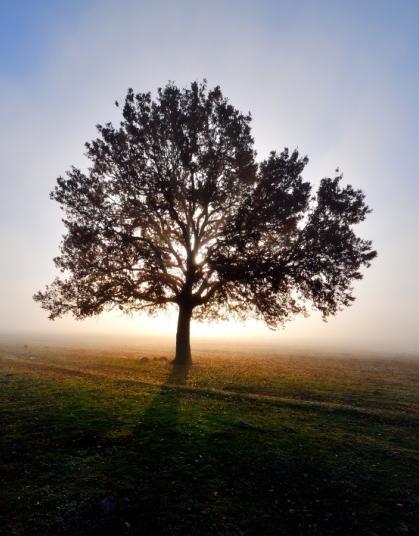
[163,446]
[164,410]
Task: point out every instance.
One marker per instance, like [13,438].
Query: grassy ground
[99,443]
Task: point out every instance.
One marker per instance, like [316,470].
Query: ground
[121,443]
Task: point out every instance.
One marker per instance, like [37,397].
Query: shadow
[163,411]
[161,444]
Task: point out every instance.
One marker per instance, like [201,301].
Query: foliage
[175,209]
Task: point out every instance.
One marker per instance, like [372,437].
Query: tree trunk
[183,345]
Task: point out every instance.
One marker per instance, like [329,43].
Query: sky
[338,80]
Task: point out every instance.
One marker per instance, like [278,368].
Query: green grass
[100,443]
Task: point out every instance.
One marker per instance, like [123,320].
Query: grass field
[99,442]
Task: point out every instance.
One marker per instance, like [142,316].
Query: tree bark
[183,346]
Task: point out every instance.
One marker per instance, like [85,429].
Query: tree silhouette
[174,209]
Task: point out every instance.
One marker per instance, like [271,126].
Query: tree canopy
[176,209]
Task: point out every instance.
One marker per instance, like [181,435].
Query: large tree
[175,209]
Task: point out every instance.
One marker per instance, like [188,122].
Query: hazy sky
[339,80]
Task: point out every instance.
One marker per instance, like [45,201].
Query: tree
[174,209]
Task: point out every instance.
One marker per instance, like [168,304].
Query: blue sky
[339,80]
[27,32]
